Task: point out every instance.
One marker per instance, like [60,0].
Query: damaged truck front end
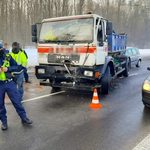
[63,74]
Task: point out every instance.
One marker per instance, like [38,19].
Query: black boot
[4,126]
[28,81]
[27,121]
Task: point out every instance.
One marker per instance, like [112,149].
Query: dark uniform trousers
[10,88]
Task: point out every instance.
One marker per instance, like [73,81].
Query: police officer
[21,59]
[7,85]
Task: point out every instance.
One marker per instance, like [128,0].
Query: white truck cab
[79,52]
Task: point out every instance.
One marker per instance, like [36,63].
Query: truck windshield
[77,30]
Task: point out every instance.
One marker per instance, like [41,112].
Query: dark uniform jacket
[13,65]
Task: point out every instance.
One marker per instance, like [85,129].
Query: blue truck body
[117,42]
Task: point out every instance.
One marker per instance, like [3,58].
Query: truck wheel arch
[109,63]
[112,69]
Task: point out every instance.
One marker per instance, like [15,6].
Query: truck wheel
[125,73]
[106,82]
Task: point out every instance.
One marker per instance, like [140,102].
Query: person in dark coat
[9,87]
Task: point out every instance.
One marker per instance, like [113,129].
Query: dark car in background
[146,91]
[134,56]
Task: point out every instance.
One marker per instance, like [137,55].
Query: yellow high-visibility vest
[20,58]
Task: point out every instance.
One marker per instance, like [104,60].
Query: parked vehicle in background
[134,56]
[79,52]
[146,91]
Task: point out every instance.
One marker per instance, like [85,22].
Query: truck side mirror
[35,29]
[34,33]
[109,28]
[34,39]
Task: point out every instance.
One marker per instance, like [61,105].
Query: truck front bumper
[50,76]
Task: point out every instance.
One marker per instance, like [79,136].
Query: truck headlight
[41,71]
[146,85]
[88,73]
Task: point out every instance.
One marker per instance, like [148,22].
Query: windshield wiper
[70,41]
[57,41]
[47,41]
[63,41]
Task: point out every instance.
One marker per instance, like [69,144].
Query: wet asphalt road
[65,122]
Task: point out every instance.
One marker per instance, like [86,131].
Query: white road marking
[40,97]
[144,144]
[133,74]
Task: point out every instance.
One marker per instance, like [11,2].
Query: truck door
[104,37]
[102,46]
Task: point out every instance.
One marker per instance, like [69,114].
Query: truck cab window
[100,34]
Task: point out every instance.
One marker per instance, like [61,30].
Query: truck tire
[125,73]
[105,82]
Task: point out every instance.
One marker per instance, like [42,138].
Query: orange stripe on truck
[85,49]
[45,49]
[68,50]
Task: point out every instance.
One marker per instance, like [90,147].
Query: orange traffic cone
[95,101]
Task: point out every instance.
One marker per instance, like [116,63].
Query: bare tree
[132,17]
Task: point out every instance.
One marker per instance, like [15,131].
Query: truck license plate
[58,58]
